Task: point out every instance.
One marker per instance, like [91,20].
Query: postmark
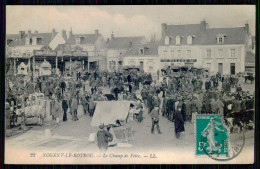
[214,139]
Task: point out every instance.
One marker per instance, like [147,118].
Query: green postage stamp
[211,135]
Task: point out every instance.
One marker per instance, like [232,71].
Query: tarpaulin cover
[107,112]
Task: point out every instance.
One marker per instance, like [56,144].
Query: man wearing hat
[103,137]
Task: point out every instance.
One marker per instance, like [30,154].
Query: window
[165,53]
[178,40]
[78,40]
[189,40]
[188,53]
[172,53]
[179,53]
[220,52]
[233,53]
[220,40]
[232,68]
[31,41]
[167,40]
[112,65]
[208,53]
[141,51]
[39,40]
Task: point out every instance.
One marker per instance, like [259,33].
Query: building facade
[220,50]
[143,56]
[22,47]
[93,45]
[117,47]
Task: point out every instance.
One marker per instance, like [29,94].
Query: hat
[101,126]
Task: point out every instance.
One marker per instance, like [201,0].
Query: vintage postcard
[130,84]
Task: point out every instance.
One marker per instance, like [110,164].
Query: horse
[250,78]
[236,114]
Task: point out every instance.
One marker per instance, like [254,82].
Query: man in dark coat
[130,88]
[65,108]
[183,110]
[116,91]
[170,108]
[150,103]
[178,123]
[103,137]
[129,78]
[164,86]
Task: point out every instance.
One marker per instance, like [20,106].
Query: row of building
[223,50]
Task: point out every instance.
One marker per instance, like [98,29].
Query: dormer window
[39,41]
[220,38]
[167,40]
[178,40]
[28,41]
[78,40]
[189,40]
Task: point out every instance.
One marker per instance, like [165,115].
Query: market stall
[23,69]
[45,68]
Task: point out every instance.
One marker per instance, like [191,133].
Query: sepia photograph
[150,84]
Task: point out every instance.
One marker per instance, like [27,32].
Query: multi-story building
[116,48]
[220,50]
[93,45]
[143,56]
[22,47]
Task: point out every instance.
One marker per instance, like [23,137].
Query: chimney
[203,25]
[70,33]
[64,35]
[112,35]
[53,32]
[21,34]
[36,31]
[247,28]
[164,27]
[96,33]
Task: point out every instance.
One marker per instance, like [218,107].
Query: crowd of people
[178,96]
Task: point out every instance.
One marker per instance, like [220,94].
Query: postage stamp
[213,138]
[211,135]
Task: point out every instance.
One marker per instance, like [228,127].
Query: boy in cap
[103,137]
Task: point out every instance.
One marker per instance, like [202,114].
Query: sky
[124,20]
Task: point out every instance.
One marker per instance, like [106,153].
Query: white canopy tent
[107,112]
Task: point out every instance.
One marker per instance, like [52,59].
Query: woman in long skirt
[178,123]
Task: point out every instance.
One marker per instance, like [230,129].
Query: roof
[250,57]
[124,42]
[234,35]
[17,41]
[149,49]
[85,39]
[12,36]
[183,31]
